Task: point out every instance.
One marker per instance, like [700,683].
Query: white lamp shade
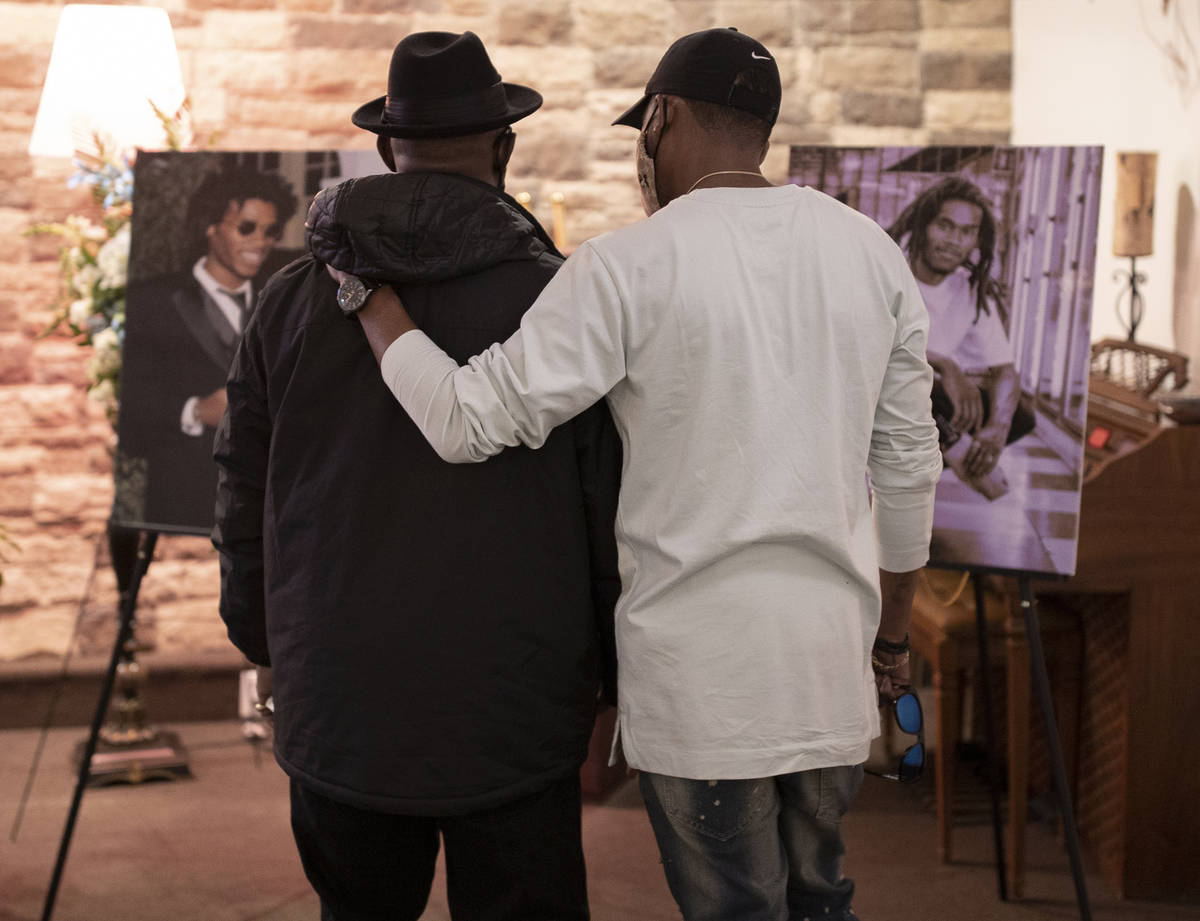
[108,62]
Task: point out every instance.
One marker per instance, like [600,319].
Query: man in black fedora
[762,349]
[436,636]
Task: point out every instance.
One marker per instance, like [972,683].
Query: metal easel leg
[1041,679]
[145,552]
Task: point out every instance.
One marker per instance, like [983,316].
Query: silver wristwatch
[353,293]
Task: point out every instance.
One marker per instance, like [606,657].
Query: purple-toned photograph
[1002,243]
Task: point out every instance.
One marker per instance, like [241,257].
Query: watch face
[352,294]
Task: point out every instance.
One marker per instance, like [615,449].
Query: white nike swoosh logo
[760,57]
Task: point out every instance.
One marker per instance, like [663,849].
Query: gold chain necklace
[725,172]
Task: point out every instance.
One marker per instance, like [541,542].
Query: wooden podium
[1137,594]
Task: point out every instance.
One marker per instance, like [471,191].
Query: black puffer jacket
[437,632]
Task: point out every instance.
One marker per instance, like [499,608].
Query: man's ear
[670,109]
[505,144]
[502,149]
[384,146]
[655,124]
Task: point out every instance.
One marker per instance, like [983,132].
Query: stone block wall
[286,74]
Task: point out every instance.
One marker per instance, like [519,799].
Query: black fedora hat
[441,84]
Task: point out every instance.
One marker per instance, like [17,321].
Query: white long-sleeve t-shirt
[761,350]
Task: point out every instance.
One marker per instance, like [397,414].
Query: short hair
[920,213]
[738,125]
[237,183]
[435,150]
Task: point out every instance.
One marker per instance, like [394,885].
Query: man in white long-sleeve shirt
[761,349]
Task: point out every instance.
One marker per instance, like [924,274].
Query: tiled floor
[216,847]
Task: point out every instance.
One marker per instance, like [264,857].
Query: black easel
[132,553]
[1041,683]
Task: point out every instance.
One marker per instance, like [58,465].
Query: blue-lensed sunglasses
[907,710]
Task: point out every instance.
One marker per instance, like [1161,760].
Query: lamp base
[161,757]
[1136,307]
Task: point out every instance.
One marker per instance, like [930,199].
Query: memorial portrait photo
[1002,243]
[208,230]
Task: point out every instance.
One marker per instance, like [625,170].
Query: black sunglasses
[907,711]
[272,231]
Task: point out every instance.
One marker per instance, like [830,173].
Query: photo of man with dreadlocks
[1002,244]
[949,235]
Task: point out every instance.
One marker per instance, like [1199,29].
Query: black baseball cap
[705,66]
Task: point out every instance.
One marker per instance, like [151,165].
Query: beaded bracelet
[879,666]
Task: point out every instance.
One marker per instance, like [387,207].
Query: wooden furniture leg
[948,693]
[1018,683]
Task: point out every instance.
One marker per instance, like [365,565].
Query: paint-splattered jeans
[755,850]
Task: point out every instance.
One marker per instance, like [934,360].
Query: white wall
[1090,72]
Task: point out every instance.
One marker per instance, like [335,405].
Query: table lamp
[108,64]
[109,68]
[1133,229]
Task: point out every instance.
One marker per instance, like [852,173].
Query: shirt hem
[742,765]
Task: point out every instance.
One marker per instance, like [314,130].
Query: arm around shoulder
[568,353]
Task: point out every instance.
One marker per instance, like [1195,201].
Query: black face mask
[502,149]
[647,150]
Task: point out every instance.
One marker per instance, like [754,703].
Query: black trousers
[522,861]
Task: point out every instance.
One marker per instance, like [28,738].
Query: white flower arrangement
[94,259]
[79,311]
[113,260]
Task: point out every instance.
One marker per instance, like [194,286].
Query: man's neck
[736,177]
[455,169]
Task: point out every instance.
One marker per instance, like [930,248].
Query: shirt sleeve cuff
[904,526]
[189,422]
[408,354]
[421,378]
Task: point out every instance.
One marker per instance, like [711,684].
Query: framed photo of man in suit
[208,229]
